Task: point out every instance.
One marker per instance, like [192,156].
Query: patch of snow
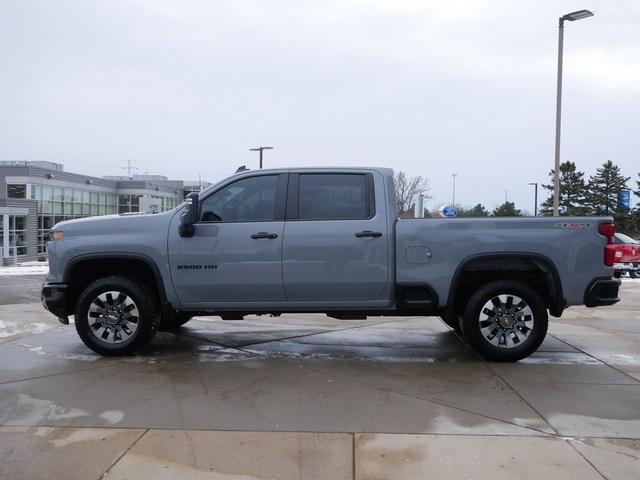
[112,416]
[561,358]
[29,270]
[61,355]
[9,328]
[31,411]
[33,263]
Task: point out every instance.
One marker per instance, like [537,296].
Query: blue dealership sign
[625,199]
[449,211]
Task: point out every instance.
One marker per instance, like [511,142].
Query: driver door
[235,255]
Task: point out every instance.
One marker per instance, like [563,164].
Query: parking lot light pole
[260,149]
[535,204]
[453,199]
[578,15]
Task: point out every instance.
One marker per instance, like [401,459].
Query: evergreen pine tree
[603,190]
[572,191]
[477,211]
[507,209]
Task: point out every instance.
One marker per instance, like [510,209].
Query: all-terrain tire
[504,333]
[144,309]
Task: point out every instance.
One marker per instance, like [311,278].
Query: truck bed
[431,250]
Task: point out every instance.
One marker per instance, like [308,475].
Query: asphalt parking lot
[306,396]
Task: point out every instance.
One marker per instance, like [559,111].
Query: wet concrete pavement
[20,289]
[306,396]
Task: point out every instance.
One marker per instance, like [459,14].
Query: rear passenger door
[336,240]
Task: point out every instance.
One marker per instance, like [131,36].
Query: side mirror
[189,216]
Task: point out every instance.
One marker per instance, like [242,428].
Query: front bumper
[602,291]
[54,299]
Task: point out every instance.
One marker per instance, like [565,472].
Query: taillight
[608,230]
[611,253]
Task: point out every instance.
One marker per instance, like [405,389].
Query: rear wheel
[115,316]
[634,273]
[505,321]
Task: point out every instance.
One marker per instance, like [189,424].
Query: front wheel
[505,321]
[115,316]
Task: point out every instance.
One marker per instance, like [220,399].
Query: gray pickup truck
[323,240]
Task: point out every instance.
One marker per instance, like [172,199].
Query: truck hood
[127,223]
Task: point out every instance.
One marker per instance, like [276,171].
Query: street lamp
[453,200]
[535,205]
[260,149]
[580,14]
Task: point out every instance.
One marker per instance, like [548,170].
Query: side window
[248,200]
[16,191]
[332,196]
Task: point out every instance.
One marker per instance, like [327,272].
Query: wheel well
[83,272]
[535,273]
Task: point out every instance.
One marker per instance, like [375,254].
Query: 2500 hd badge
[197,267]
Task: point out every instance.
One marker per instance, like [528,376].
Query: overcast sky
[430,87]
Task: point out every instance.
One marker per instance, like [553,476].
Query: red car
[627,256]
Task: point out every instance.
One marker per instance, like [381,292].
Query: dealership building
[34,196]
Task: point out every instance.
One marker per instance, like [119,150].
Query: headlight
[57,235]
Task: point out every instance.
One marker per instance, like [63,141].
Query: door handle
[368,233]
[259,235]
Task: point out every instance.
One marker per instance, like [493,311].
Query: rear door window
[328,196]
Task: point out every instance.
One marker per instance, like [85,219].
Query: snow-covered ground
[31,269]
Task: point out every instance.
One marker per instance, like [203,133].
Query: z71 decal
[573,225]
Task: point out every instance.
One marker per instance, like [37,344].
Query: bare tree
[407,190]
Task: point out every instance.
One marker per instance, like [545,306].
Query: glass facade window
[16,230]
[163,204]
[57,203]
[17,191]
[128,203]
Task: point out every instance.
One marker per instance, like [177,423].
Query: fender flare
[113,255]
[557,302]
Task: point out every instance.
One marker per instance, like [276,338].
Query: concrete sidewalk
[306,396]
[85,453]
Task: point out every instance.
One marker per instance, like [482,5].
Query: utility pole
[129,167]
[453,200]
[535,203]
[260,149]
